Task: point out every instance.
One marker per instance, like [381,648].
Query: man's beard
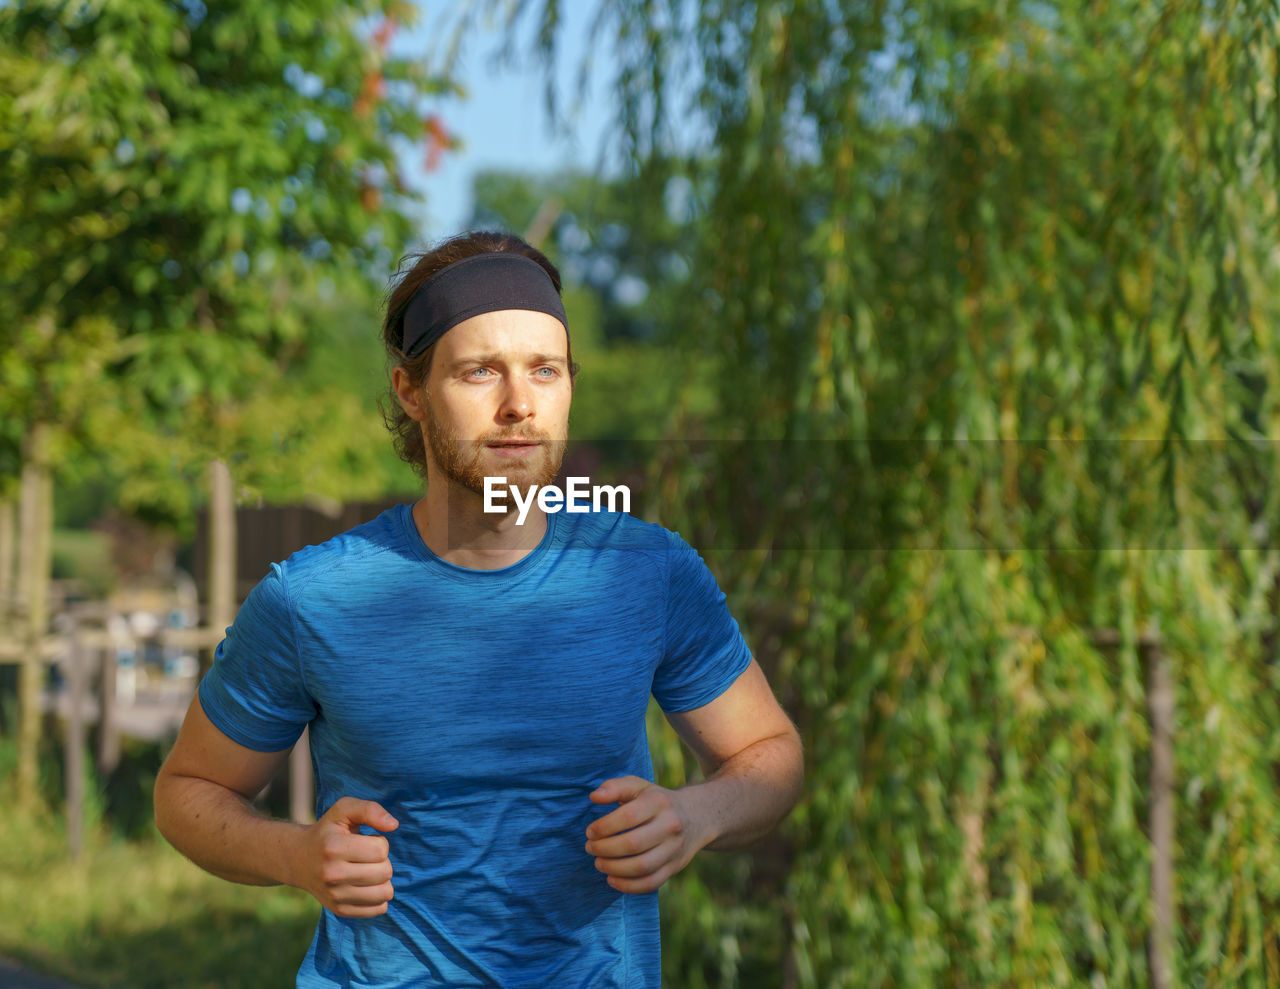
[459,459]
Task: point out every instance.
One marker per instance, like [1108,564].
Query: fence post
[302,799]
[222,555]
[7,558]
[74,762]
[108,737]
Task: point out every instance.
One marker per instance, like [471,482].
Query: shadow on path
[206,948]
[13,977]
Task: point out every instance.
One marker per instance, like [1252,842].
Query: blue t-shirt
[480,707]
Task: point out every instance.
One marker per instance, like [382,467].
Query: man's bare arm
[751,756]
[202,806]
[751,760]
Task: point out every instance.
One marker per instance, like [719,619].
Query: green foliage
[633,258]
[625,270]
[179,187]
[990,290]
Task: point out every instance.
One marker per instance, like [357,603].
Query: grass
[137,914]
[132,912]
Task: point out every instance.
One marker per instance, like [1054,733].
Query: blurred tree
[193,181]
[634,261]
[176,181]
[625,272]
[991,291]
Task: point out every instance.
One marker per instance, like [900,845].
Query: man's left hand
[648,839]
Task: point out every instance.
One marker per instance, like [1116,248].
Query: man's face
[496,401]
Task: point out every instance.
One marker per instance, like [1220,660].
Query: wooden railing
[86,653]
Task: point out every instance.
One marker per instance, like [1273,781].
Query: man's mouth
[514,448]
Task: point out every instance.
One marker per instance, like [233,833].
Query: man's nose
[517,401]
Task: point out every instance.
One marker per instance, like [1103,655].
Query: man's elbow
[159,804]
[787,760]
[166,802]
[795,751]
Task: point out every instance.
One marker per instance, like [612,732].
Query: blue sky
[503,122]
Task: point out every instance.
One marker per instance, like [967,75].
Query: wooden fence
[233,551]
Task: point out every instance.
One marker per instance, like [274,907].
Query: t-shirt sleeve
[254,693]
[704,651]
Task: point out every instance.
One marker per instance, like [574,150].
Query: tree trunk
[33,586]
[222,553]
[1160,704]
[543,221]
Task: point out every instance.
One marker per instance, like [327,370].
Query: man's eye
[477,372]
[548,372]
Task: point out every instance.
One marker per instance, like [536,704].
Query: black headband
[478,284]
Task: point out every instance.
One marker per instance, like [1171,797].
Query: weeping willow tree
[991,288]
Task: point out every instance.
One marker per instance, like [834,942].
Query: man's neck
[452,522]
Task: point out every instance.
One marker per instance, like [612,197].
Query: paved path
[13,977]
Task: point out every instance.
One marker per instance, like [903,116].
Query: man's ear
[411,399]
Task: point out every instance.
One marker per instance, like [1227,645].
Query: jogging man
[476,688]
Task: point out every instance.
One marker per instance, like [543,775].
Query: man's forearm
[220,831]
[746,797]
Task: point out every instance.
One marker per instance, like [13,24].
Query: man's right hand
[349,873]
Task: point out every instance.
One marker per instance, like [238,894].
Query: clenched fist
[648,839]
[349,873]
